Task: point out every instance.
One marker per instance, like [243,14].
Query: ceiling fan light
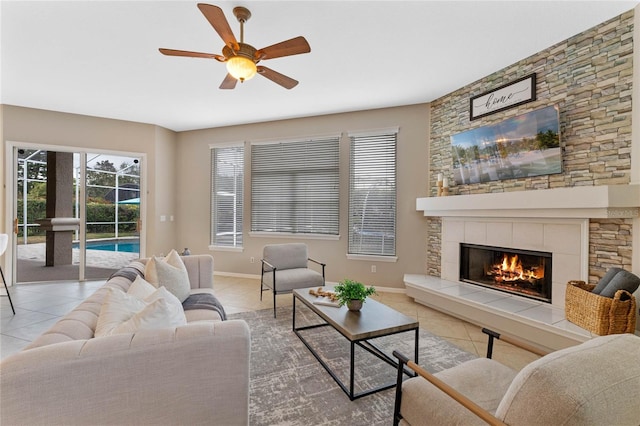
[241,68]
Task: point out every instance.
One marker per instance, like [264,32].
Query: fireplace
[525,273]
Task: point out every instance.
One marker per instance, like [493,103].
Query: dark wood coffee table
[374,320]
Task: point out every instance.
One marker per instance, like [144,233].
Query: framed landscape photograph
[522,146]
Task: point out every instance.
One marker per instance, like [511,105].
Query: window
[295,186]
[227,176]
[372,194]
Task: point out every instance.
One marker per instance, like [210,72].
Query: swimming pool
[113,245]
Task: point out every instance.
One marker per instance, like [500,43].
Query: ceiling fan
[241,58]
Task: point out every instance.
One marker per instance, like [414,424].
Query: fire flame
[511,269]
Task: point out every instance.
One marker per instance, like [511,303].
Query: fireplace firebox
[526,273]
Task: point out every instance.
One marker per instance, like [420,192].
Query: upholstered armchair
[593,383]
[285,268]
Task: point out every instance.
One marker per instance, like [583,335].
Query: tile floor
[38,306]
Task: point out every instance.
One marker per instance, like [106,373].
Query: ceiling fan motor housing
[245,50]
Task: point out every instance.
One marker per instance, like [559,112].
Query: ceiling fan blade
[294,46]
[216,18]
[276,77]
[229,82]
[173,52]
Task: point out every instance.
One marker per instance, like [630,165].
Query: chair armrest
[451,392]
[511,340]
[271,267]
[318,262]
[184,375]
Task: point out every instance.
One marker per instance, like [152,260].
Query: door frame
[11,176]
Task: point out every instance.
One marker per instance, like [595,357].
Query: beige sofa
[192,374]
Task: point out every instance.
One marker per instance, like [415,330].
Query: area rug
[288,386]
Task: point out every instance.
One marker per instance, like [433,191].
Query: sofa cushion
[175,310]
[152,317]
[169,272]
[117,307]
[623,280]
[121,308]
[140,288]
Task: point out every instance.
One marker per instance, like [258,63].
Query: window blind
[295,187]
[227,176]
[372,194]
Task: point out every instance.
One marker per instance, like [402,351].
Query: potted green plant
[352,293]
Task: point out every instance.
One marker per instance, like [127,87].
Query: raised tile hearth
[543,324]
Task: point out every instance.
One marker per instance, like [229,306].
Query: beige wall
[83,133]
[178,183]
[193,209]
[162,193]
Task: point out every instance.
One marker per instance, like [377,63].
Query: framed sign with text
[507,96]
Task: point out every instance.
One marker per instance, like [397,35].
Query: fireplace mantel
[605,201]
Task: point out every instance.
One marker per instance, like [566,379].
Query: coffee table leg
[293,314]
[352,371]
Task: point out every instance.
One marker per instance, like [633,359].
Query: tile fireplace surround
[550,220]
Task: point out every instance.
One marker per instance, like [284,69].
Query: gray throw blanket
[130,272]
[204,301]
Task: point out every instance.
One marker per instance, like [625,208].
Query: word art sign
[508,96]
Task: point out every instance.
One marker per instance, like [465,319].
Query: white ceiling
[102,59]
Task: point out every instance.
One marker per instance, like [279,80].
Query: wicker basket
[598,314]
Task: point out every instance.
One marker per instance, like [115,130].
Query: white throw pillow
[116,308]
[155,315]
[175,309]
[169,272]
[141,288]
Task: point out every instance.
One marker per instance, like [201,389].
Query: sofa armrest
[200,270]
[193,374]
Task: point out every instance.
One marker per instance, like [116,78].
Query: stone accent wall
[589,78]
[609,246]
[434,246]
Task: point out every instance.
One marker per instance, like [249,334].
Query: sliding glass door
[112,204]
[76,214]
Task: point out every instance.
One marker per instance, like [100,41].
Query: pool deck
[100,264]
